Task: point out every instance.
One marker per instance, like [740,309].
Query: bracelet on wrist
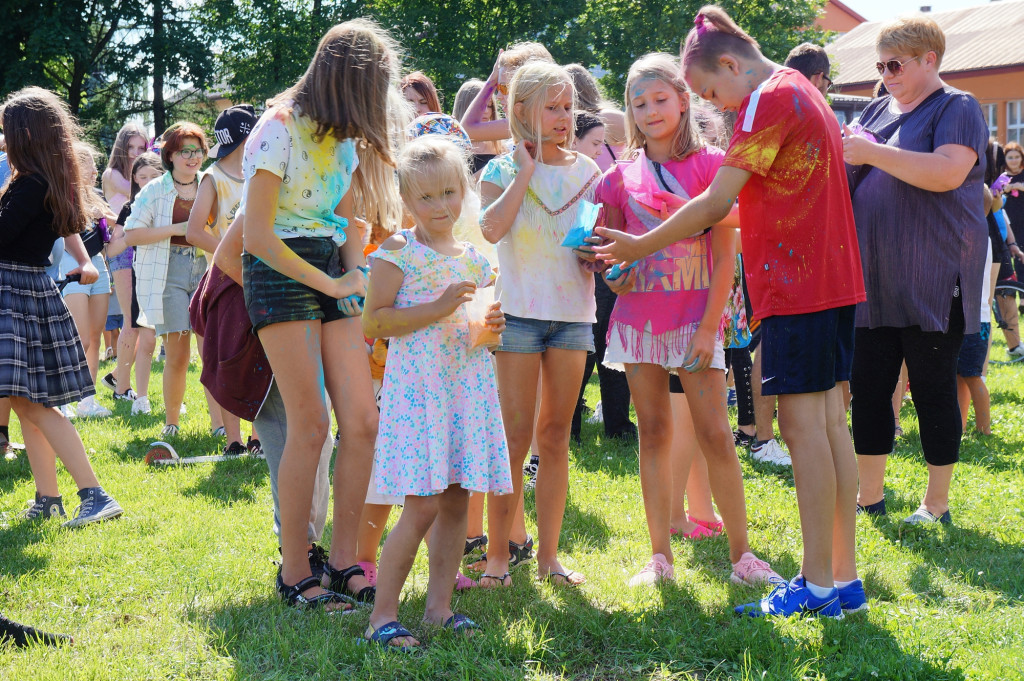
[1011,244]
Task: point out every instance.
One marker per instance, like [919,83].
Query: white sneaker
[89,408]
[1017,352]
[598,415]
[771,452]
[68,411]
[141,406]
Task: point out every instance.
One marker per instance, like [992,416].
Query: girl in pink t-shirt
[671,321]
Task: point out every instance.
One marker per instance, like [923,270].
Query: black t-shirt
[26,224]
[1014,207]
[126,210]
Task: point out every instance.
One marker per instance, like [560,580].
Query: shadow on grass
[13,473]
[16,535]
[231,481]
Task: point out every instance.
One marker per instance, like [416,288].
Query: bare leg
[447,540]
[371,528]
[648,384]
[348,382]
[936,497]
[563,374]
[982,404]
[844,528]
[517,389]
[144,352]
[62,437]
[764,405]
[179,348]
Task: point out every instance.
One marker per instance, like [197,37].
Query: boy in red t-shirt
[785,163]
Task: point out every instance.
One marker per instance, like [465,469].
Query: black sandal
[339,582]
[292,595]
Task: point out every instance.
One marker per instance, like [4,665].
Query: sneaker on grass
[141,406]
[750,570]
[658,569]
[44,507]
[793,598]
[852,597]
[127,396]
[109,381]
[89,408]
[96,506]
[770,451]
[923,516]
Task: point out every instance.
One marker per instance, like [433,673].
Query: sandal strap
[458,621]
[292,594]
[340,579]
[385,633]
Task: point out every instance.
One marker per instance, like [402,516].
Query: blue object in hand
[618,270]
[355,298]
[583,227]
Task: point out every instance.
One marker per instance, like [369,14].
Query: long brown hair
[350,90]
[424,87]
[40,133]
[119,160]
[665,68]
[86,155]
[146,159]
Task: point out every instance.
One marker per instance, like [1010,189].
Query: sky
[880,10]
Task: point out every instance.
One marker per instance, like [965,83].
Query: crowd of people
[443,286]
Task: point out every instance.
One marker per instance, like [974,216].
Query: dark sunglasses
[828,88]
[894,66]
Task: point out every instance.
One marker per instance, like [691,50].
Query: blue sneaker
[793,598]
[852,597]
[96,505]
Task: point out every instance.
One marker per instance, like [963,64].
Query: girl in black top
[42,364]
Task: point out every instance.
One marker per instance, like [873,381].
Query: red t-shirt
[800,248]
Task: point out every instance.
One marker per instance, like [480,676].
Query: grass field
[182,586]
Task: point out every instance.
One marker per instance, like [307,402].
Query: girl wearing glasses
[167,267]
[917,201]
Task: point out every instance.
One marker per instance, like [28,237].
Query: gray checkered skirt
[41,355]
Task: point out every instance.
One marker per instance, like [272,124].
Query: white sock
[818,591]
[843,585]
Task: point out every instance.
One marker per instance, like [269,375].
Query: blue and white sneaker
[793,598]
[96,505]
[852,597]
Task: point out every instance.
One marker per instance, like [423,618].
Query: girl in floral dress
[441,434]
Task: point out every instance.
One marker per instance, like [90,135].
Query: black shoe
[520,554]
[109,381]
[235,449]
[317,560]
[475,548]
[22,635]
[530,472]
[254,447]
[741,439]
[626,434]
[877,508]
[339,584]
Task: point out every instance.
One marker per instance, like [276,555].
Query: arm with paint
[381,319]
[702,345]
[204,211]
[260,241]
[716,205]
[473,121]
[501,205]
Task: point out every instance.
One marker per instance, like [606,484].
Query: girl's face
[188,159]
[657,108]
[145,175]
[556,117]
[726,87]
[418,101]
[489,112]
[1014,161]
[591,142]
[136,145]
[90,173]
[437,208]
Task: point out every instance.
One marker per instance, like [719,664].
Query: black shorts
[806,353]
[973,351]
[272,297]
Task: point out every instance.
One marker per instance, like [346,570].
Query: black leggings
[931,359]
[739,360]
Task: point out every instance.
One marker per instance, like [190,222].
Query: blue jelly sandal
[458,623]
[384,634]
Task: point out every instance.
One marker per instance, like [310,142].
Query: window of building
[1015,121]
[990,116]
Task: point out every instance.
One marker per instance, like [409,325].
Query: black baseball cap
[232,127]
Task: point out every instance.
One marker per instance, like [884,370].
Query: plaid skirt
[41,355]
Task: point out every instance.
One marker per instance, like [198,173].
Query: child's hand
[88,273]
[350,284]
[701,351]
[619,247]
[523,156]
[455,295]
[495,318]
[622,285]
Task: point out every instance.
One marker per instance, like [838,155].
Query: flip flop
[500,580]
[564,579]
[457,623]
[384,634]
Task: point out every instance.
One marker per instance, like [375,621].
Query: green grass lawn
[181,587]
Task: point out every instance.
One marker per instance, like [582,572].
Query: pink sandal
[369,570]
[715,526]
[462,582]
[698,532]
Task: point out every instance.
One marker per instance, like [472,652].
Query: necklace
[184,184]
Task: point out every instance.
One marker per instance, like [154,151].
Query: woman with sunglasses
[917,183]
[167,267]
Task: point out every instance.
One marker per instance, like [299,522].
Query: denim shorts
[272,297]
[185,267]
[806,353]
[97,288]
[535,335]
[973,351]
